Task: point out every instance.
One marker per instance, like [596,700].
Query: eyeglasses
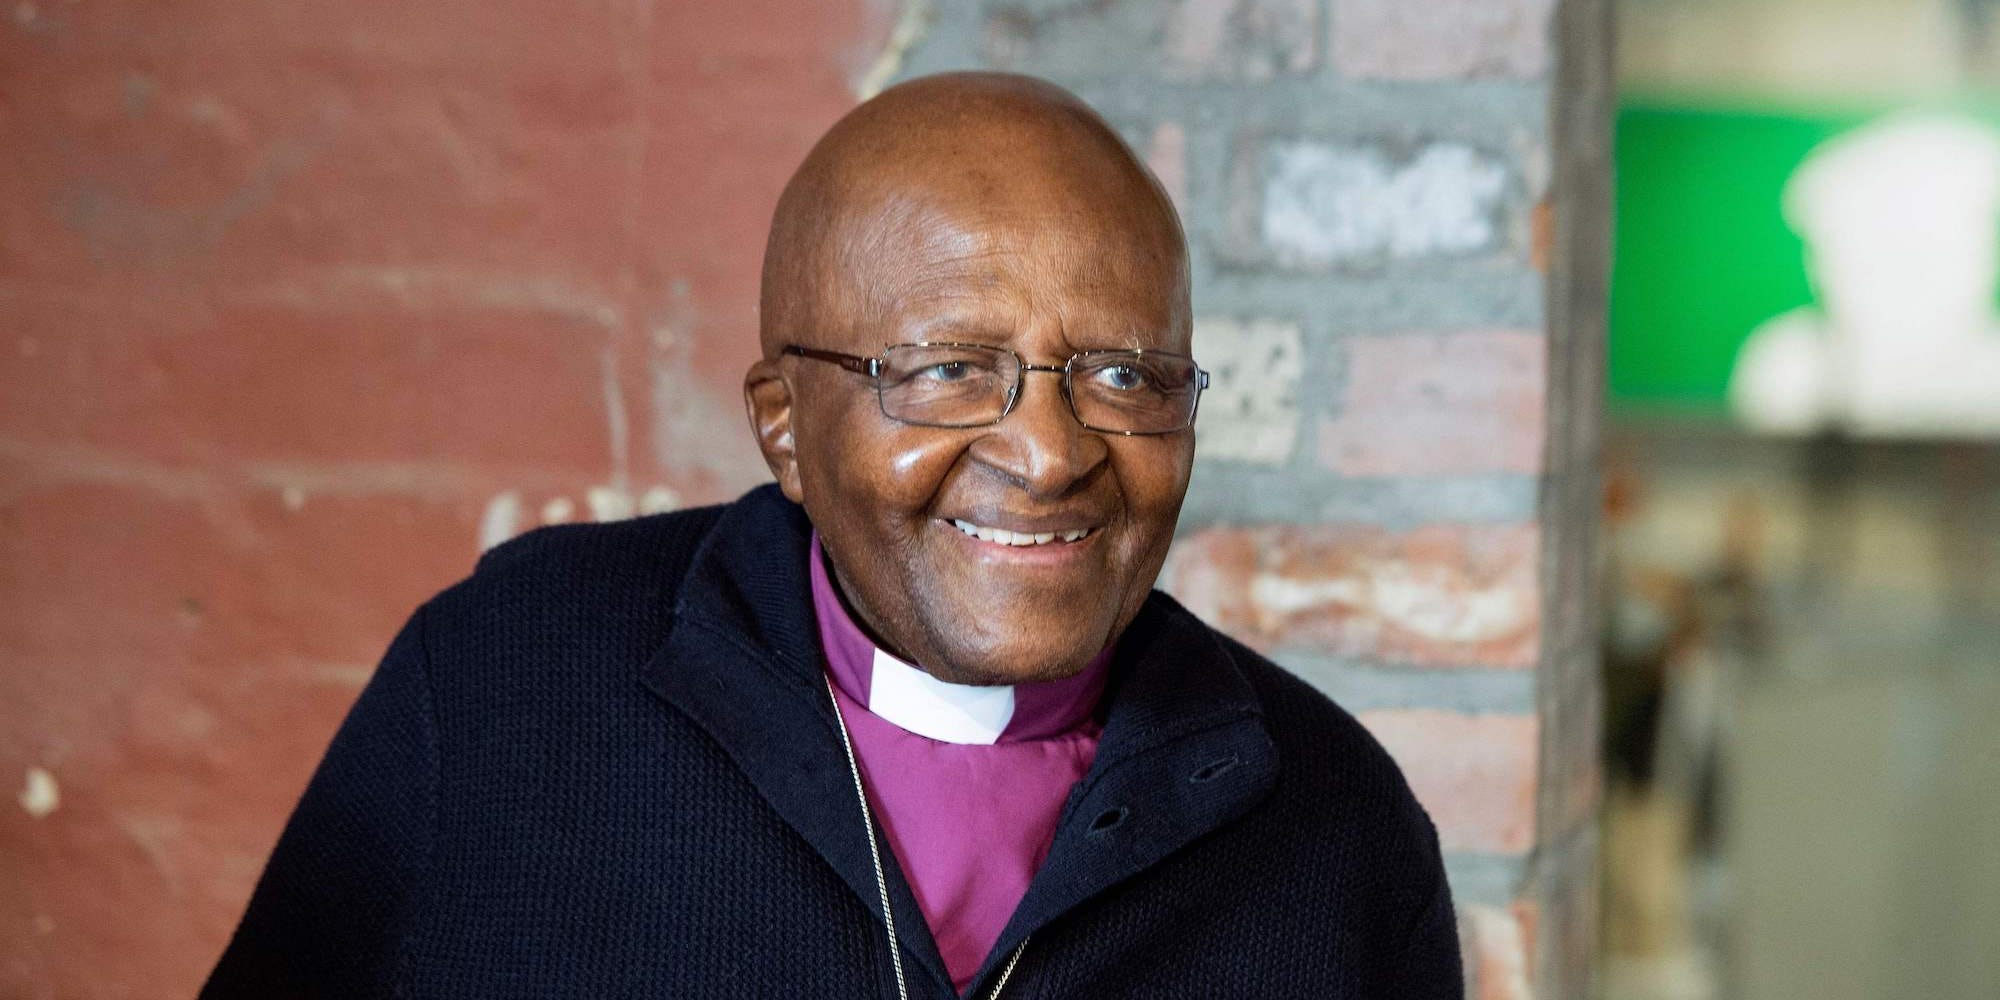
[974,385]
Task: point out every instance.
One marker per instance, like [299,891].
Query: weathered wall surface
[301,302]
[303,305]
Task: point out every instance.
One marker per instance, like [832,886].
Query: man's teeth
[1005,537]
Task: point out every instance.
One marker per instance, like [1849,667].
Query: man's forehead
[983,272]
[970,315]
[973,185]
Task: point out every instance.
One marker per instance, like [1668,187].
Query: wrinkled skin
[992,209]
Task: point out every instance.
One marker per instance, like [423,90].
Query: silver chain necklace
[882,880]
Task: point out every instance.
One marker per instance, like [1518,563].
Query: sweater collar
[742,659]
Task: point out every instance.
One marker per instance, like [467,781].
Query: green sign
[1704,254]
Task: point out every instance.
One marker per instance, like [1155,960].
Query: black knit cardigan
[605,766]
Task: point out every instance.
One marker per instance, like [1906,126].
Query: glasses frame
[873,367]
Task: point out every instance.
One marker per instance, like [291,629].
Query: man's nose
[1040,444]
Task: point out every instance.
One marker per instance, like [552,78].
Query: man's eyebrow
[949,328]
[955,329]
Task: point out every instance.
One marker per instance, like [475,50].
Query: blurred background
[1802,508]
[1669,575]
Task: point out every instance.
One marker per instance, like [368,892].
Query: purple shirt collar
[915,701]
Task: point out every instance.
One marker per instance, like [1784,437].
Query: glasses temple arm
[871,367]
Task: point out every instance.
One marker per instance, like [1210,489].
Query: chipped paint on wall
[608,503]
[912,24]
[39,794]
[501,521]
[617,419]
[559,510]
[659,500]
[1251,410]
[1335,204]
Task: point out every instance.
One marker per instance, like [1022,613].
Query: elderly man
[911,723]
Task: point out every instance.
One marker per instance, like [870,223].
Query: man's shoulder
[592,569]
[1324,747]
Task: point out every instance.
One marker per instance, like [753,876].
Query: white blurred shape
[1899,219]
[39,793]
[501,521]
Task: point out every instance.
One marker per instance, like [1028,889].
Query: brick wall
[304,304]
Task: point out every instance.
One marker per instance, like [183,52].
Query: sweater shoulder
[1324,745]
[558,545]
[591,569]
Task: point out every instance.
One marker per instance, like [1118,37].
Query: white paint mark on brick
[560,510]
[1326,204]
[659,500]
[618,420]
[1438,604]
[911,25]
[1434,603]
[294,497]
[501,521]
[1250,412]
[39,795]
[608,503]
[1278,597]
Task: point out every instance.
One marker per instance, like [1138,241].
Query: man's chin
[993,668]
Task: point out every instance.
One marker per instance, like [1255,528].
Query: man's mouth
[1002,536]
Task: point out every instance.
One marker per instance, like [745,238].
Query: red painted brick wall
[298,302]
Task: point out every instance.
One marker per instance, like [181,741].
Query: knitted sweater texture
[605,765]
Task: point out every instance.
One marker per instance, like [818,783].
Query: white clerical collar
[949,713]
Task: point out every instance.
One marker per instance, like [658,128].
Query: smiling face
[1064,248]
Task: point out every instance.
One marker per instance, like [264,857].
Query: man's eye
[1123,377]
[947,371]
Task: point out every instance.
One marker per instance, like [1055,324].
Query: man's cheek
[914,455]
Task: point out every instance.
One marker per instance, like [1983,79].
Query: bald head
[981,215]
[925,169]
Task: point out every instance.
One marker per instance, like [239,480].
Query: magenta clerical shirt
[968,781]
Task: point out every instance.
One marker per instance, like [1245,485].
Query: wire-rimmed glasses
[975,385]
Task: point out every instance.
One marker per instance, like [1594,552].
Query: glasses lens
[947,385]
[1134,392]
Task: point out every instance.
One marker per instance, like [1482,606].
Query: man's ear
[767,397]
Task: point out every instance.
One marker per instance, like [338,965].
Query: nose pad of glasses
[1045,452]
